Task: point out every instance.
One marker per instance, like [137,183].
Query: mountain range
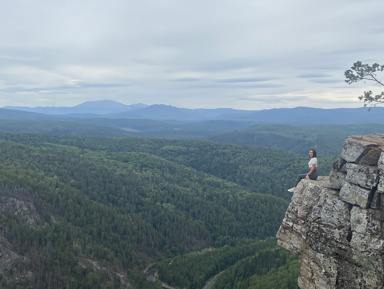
[101,107]
[288,129]
[114,110]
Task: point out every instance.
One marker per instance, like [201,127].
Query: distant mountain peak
[109,104]
[98,103]
[100,107]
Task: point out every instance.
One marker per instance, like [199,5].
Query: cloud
[30,76]
[187,53]
[274,99]
[326,80]
[186,79]
[313,75]
[242,80]
[16,58]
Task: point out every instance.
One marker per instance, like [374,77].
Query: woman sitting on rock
[312,174]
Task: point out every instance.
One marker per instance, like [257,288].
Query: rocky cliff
[336,224]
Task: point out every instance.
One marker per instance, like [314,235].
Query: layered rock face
[336,224]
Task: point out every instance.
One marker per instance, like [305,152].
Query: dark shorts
[312,176]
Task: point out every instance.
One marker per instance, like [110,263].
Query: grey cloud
[169,51]
[186,79]
[11,58]
[313,75]
[230,85]
[242,80]
[274,99]
[78,86]
[97,85]
[326,80]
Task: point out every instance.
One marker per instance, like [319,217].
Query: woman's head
[312,153]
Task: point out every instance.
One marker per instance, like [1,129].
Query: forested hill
[328,139]
[294,138]
[101,210]
[261,170]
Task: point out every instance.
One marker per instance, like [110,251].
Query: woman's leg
[299,178]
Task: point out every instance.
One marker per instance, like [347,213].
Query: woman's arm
[313,167]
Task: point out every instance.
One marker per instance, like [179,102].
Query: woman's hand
[310,172]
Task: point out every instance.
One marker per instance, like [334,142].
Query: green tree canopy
[361,71]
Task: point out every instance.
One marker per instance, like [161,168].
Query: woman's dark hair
[314,153]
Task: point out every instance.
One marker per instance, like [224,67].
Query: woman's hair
[314,153]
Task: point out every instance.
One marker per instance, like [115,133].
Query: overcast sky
[244,54]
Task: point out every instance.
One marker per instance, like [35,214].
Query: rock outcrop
[18,202]
[336,224]
[21,268]
[15,267]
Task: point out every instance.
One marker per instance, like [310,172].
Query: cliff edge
[335,225]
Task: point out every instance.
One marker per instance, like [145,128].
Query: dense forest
[261,170]
[102,210]
[293,138]
[243,264]
[328,138]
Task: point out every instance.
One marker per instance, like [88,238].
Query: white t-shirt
[313,161]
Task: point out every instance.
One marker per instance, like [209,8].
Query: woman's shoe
[291,190]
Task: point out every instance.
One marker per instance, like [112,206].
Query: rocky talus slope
[336,224]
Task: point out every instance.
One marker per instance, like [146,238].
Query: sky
[243,54]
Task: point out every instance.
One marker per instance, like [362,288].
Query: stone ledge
[336,224]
